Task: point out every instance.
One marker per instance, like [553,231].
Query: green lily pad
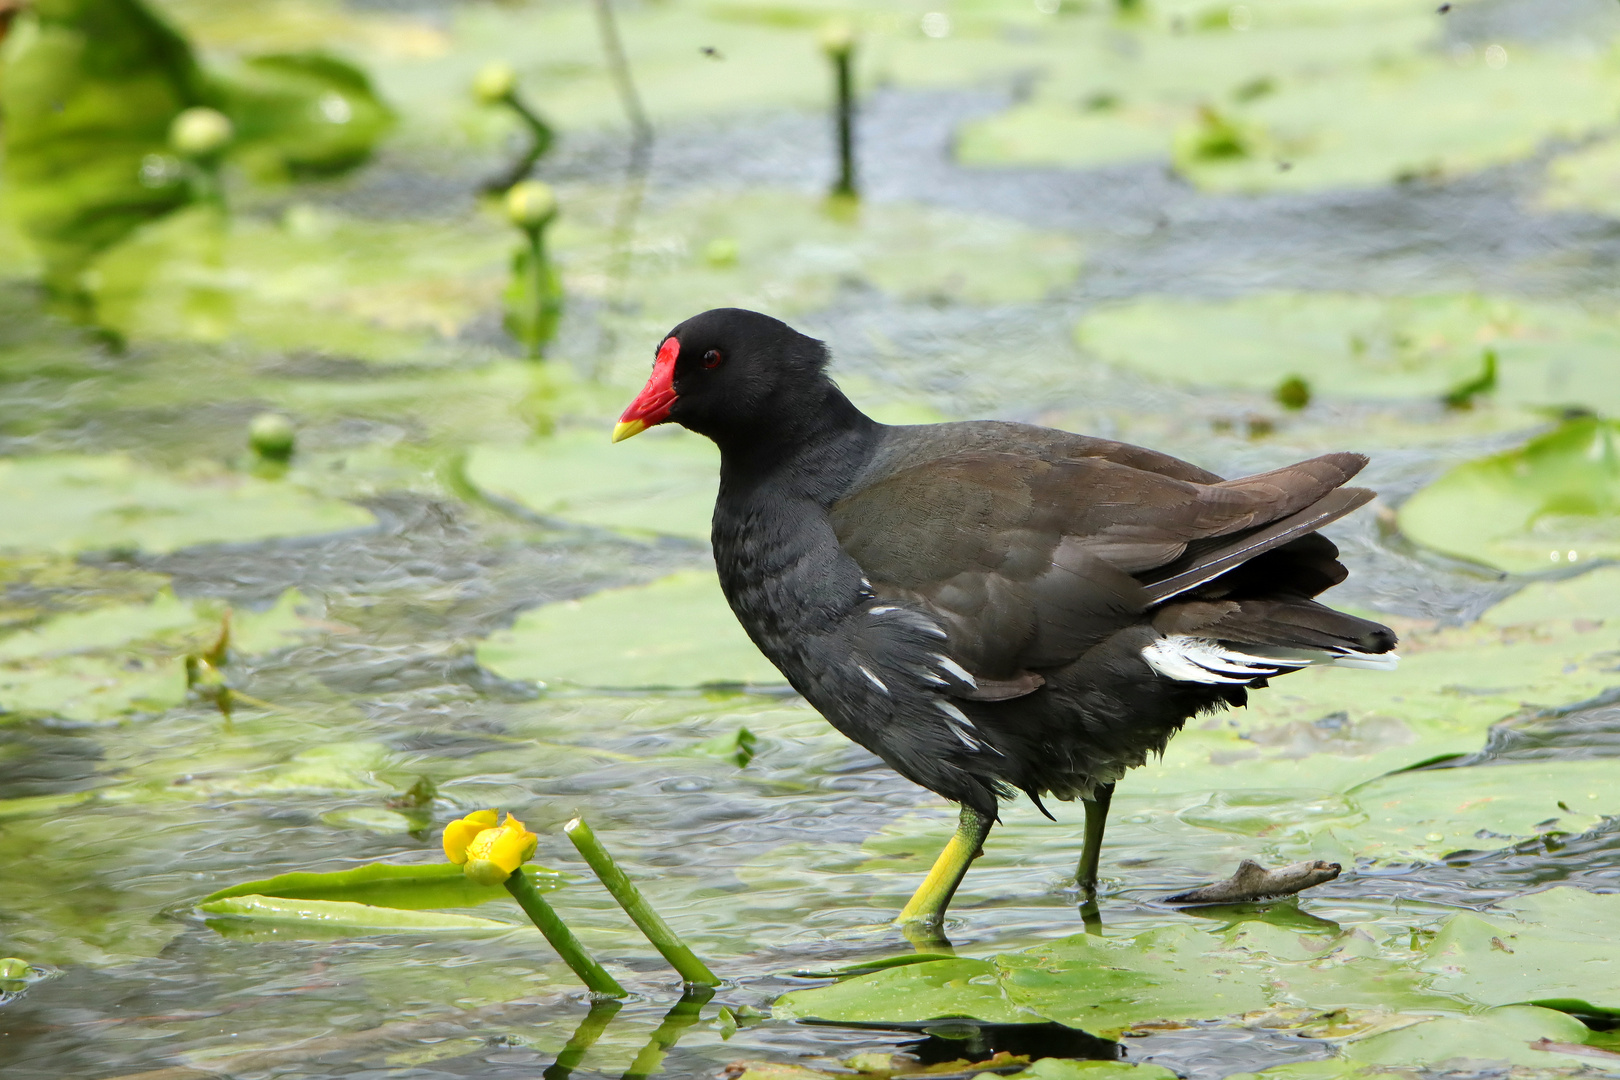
[337,766]
[345,915]
[1104,985]
[676,631]
[1414,117]
[1068,1069]
[91,688]
[1121,92]
[1562,946]
[1366,347]
[1498,1035]
[313,281]
[909,994]
[1553,501]
[100,629]
[414,886]
[1430,812]
[663,481]
[72,503]
[1100,985]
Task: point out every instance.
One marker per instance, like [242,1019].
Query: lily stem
[561,938]
[665,940]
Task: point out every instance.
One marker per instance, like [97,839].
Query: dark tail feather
[1197,567]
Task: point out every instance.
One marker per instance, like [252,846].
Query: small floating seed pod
[272,436]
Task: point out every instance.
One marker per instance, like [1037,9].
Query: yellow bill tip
[626,428]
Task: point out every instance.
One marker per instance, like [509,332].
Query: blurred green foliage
[91,88]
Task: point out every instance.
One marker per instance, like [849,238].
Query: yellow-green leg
[1091,854]
[929,902]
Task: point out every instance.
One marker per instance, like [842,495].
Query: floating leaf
[100,629]
[910,993]
[1564,946]
[665,480]
[1498,1035]
[676,631]
[413,887]
[1428,813]
[1053,1068]
[1367,347]
[1416,117]
[344,915]
[72,503]
[1555,500]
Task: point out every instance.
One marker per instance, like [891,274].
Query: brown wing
[1028,562]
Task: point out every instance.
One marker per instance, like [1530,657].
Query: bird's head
[732,375]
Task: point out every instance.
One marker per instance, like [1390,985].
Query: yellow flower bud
[530,204]
[486,852]
[495,82]
[837,37]
[459,833]
[200,131]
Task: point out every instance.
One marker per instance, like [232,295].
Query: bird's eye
[712,358]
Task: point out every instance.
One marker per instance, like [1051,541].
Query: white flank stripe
[871,678]
[952,711]
[951,667]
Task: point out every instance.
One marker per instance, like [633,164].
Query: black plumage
[994,607]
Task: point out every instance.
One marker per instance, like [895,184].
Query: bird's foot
[1254,882]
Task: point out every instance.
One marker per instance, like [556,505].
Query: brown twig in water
[1254,882]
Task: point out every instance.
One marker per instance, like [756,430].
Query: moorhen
[994,607]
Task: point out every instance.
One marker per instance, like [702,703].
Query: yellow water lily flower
[485,851]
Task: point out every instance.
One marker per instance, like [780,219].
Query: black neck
[809,451]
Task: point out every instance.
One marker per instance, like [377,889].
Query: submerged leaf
[412,886]
[344,915]
[1555,500]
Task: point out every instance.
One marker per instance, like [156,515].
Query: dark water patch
[455,575]
[34,761]
[1587,729]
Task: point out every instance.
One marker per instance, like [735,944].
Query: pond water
[432,587]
